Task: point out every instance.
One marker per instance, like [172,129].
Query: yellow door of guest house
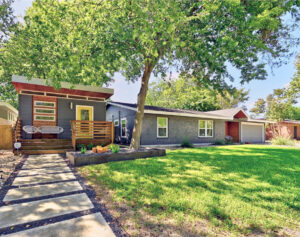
[85,114]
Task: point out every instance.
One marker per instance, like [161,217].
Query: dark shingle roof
[164,109]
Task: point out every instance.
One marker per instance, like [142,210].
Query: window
[44,103]
[205,128]
[44,118]
[116,123]
[123,127]
[44,111]
[162,127]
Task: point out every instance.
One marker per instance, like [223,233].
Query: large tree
[87,41]
[7,24]
[186,93]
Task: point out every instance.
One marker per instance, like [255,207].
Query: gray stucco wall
[65,114]
[117,113]
[178,129]
[25,112]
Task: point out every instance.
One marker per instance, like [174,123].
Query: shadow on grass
[265,179]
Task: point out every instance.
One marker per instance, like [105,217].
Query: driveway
[46,198]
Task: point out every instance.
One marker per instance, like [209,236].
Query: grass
[246,189]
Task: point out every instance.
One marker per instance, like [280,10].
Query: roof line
[67,85]
[149,111]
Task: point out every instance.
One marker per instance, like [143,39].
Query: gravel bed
[8,163]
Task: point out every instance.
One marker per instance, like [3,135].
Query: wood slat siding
[96,132]
[43,123]
[6,137]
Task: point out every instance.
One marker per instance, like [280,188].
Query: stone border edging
[78,159]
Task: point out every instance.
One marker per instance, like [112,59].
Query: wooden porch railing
[96,132]
[16,132]
[17,129]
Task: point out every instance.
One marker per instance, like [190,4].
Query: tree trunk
[138,122]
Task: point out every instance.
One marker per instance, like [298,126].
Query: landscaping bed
[8,163]
[89,157]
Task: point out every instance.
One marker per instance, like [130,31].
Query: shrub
[219,142]
[186,143]
[79,146]
[282,141]
[114,148]
[83,150]
[228,140]
[90,146]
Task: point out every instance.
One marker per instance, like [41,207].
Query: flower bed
[90,158]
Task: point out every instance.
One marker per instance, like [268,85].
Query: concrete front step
[47,147]
[41,152]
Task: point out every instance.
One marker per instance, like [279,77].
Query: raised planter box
[90,158]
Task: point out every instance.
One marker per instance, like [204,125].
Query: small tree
[87,41]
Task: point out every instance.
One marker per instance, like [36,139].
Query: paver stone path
[46,199]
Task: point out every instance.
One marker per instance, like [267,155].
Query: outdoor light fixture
[71,105]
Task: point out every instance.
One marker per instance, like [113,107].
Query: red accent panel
[240,114]
[24,86]
[233,130]
[283,129]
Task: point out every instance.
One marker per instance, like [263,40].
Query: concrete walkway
[46,199]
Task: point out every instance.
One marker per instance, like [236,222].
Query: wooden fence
[96,132]
[6,137]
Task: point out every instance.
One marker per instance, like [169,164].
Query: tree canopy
[185,93]
[87,41]
[278,106]
[7,24]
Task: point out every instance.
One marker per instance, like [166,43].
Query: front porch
[82,132]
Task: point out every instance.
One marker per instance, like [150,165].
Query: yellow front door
[85,113]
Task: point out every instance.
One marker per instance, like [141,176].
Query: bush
[187,143]
[114,148]
[90,146]
[219,142]
[228,140]
[83,150]
[79,146]
[282,141]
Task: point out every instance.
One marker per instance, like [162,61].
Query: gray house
[165,126]
[76,113]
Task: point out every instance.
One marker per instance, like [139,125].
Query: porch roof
[21,83]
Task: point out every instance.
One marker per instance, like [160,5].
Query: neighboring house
[171,126]
[8,114]
[286,128]
[42,105]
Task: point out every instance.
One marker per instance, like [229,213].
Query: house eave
[65,85]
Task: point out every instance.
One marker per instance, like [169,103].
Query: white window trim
[44,112]
[35,105]
[167,127]
[205,120]
[125,127]
[118,124]
[44,119]
[84,106]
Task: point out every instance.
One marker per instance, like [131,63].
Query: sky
[127,92]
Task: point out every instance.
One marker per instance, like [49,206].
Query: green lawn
[231,189]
